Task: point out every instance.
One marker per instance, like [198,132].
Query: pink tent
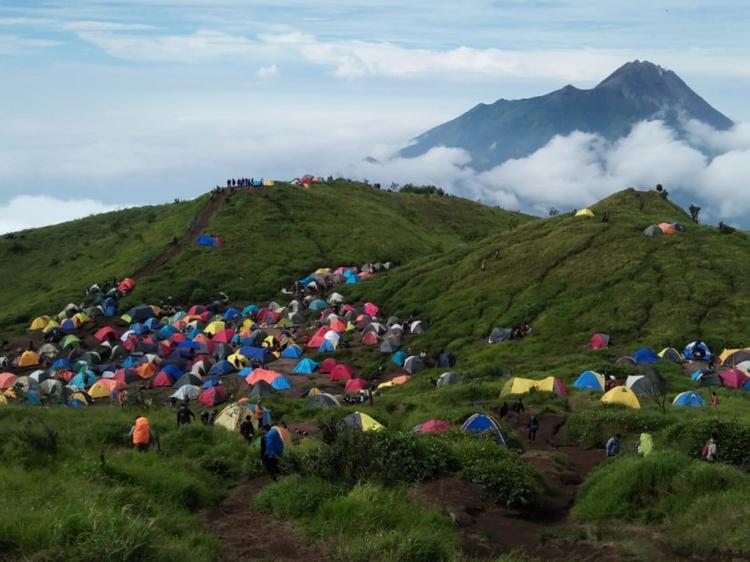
[371,309]
[341,372]
[355,385]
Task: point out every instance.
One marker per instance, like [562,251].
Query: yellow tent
[267,183]
[314,392]
[40,323]
[727,358]
[350,327]
[231,417]
[518,385]
[238,360]
[82,317]
[3,400]
[368,423]
[621,395]
[28,359]
[51,325]
[247,324]
[100,390]
[323,271]
[214,328]
[585,213]
[646,444]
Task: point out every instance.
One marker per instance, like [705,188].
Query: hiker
[484,265]
[141,434]
[533,427]
[694,211]
[184,415]
[271,447]
[714,399]
[259,413]
[503,410]
[518,407]
[497,254]
[710,451]
[247,430]
[605,216]
[613,446]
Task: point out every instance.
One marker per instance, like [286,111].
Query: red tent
[261,375]
[355,385]
[370,338]
[213,396]
[106,333]
[371,309]
[337,326]
[126,285]
[341,372]
[317,340]
[225,336]
[327,366]
[433,426]
[162,380]
[733,378]
[599,341]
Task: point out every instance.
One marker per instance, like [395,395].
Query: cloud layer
[30,211]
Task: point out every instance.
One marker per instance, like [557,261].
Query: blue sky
[126,102]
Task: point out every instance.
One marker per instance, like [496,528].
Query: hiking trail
[201,222]
[246,534]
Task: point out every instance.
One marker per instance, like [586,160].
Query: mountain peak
[639,73]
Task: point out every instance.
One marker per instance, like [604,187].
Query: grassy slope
[45,268]
[284,231]
[271,236]
[570,277]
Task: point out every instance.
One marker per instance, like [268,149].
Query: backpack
[704,452]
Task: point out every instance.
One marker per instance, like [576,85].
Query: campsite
[394,378]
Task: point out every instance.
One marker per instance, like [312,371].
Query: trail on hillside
[201,222]
[246,534]
[488,530]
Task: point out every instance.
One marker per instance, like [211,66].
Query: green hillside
[572,276]
[272,235]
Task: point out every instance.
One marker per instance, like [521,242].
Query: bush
[592,428]
[690,436]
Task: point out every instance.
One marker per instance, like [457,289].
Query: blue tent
[292,352]
[481,423]
[257,183]
[210,383]
[326,347]
[645,356]
[317,305]
[306,281]
[281,383]
[274,444]
[166,332]
[172,371]
[746,386]
[256,353]
[231,314]
[153,324]
[398,358]
[74,403]
[221,368]
[33,398]
[83,380]
[205,240]
[138,328]
[61,364]
[689,398]
[352,280]
[305,367]
[696,350]
[250,309]
[589,380]
[110,307]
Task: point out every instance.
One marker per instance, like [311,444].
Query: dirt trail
[488,530]
[201,222]
[246,534]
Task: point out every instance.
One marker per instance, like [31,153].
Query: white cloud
[268,72]
[92,25]
[17,45]
[30,211]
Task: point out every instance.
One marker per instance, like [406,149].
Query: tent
[697,350]
[327,366]
[499,335]
[733,378]
[482,423]
[212,396]
[262,375]
[341,372]
[28,359]
[705,378]
[7,380]
[370,338]
[653,230]
[362,422]
[448,378]
[186,379]
[689,398]
[222,368]
[413,365]
[322,400]
[643,385]
[670,354]
[585,213]
[187,392]
[399,358]
[599,341]
[645,356]
[261,389]
[590,380]
[305,367]
[733,357]
[518,385]
[667,228]
[355,385]
[621,395]
[446,360]
[292,351]
[232,416]
[40,323]
[432,426]
[104,388]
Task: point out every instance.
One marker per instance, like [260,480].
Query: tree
[655,387]
[553,212]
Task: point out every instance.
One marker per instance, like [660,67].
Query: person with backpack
[612,448]
[247,430]
[710,450]
[184,415]
[271,449]
[141,434]
[533,427]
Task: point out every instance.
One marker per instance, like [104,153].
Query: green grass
[363,522]
[74,490]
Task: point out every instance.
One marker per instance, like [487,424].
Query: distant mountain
[508,129]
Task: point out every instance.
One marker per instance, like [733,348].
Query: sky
[112,103]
